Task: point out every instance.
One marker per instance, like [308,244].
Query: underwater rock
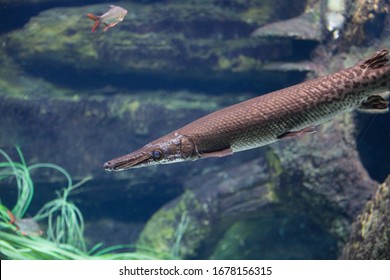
[305,27]
[370,234]
[111,232]
[211,198]
[304,31]
[276,236]
[179,38]
[367,20]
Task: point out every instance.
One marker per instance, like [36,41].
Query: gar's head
[168,149]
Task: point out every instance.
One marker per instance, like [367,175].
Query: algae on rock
[366,16]
[154,38]
[370,234]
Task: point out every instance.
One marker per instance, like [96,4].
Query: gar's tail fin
[377,60]
[96,20]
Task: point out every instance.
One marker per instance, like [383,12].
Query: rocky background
[76,98]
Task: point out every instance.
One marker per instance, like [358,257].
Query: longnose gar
[288,112]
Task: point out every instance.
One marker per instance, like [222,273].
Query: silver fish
[111,18]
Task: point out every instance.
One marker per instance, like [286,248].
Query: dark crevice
[216,83]
[371,130]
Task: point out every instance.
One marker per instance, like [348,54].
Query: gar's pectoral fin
[299,133]
[375,104]
[219,153]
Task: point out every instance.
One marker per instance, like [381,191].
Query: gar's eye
[157,154]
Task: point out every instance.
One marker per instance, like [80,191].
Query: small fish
[111,18]
[26,226]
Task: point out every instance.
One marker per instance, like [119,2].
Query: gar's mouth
[132,160]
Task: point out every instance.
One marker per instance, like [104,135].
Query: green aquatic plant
[65,221]
[21,173]
[65,224]
[18,247]
[180,230]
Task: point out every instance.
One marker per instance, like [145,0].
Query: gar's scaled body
[288,112]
